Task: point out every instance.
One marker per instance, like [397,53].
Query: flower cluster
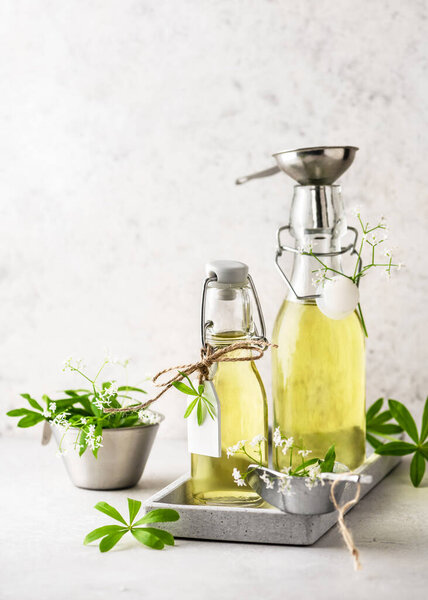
[239,480]
[93,440]
[310,469]
[282,442]
[148,417]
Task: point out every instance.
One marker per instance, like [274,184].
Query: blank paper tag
[206,438]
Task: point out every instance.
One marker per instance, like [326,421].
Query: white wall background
[124,124]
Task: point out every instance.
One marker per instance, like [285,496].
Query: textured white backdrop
[123,127]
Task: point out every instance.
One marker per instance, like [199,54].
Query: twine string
[209,356]
[344,530]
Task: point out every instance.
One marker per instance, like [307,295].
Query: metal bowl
[121,460]
[320,165]
[301,499]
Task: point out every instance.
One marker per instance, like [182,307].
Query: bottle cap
[230,272]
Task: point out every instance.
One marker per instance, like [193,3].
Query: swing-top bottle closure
[316,215]
[227,294]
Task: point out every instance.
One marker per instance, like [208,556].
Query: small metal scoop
[320,165]
[300,499]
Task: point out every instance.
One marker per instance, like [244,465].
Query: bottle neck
[306,269]
[317,222]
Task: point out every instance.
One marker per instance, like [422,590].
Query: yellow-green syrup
[243,408]
[319,383]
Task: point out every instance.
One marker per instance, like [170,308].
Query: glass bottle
[227,318]
[319,365]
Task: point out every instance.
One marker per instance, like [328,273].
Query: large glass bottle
[319,365]
[228,318]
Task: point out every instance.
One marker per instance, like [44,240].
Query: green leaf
[83,442]
[111,540]
[424,450]
[98,431]
[164,536]
[386,428]
[109,510]
[424,427]
[306,463]
[30,420]
[147,538]
[32,402]
[374,443]
[190,408]
[130,388]
[101,532]
[381,418]
[396,449]
[19,412]
[200,412]
[134,507]
[417,468]
[185,389]
[374,409]
[159,515]
[327,464]
[201,389]
[404,418]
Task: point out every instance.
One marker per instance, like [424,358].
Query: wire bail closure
[281,248]
[206,324]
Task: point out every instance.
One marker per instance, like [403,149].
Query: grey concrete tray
[263,525]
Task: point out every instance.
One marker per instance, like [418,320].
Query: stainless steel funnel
[320,165]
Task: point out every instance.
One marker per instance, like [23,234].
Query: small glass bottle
[227,318]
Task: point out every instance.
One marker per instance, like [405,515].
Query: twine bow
[209,356]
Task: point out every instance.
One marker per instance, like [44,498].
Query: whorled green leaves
[201,402]
[149,536]
[377,424]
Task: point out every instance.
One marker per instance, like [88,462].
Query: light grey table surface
[44,519]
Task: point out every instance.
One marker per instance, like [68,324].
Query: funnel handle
[265,173]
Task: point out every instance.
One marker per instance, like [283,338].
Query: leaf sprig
[377,425]
[83,409]
[149,536]
[200,402]
[368,239]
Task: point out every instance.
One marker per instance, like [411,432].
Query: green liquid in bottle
[243,416]
[319,383]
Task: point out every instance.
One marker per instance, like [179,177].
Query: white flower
[284,485]
[46,413]
[61,452]
[277,438]
[314,472]
[304,453]
[83,420]
[52,407]
[387,252]
[288,443]
[61,420]
[306,248]
[236,474]
[236,448]
[101,402]
[92,440]
[73,364]
[268,481]
[122,362]
[148,417]
[356,211]
[258,439]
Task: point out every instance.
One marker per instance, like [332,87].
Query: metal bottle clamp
[281,248]
[206,324]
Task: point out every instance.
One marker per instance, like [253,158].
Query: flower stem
[363,323]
